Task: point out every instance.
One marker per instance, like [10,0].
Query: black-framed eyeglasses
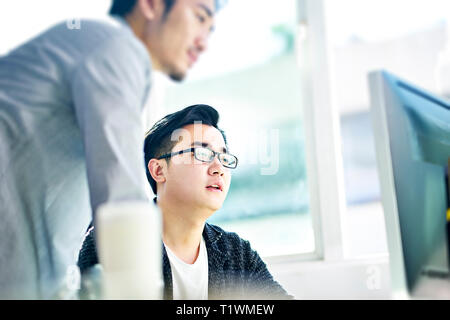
[207,155]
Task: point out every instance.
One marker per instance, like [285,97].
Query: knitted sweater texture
[235,270]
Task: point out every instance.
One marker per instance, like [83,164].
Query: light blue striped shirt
[71,138]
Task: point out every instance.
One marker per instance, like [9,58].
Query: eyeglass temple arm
[175,153]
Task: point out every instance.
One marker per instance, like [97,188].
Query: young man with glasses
[189,169]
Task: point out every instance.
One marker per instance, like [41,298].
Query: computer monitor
[412,140]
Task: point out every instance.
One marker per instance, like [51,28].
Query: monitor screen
[412,138]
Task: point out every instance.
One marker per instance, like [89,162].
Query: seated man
[189,170]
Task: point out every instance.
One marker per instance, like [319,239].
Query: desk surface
[432,288]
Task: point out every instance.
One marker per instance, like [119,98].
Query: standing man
[71,132]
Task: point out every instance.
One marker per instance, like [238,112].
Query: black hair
[158,139]
[124,7]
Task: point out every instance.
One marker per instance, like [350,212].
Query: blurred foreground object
[129,248]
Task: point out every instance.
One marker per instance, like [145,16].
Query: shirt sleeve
[109,90]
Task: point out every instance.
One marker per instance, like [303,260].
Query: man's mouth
[192,57]
[214,187]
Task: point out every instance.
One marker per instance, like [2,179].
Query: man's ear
[156,169]
[151,9]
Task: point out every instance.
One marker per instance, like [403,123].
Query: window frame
[324,162]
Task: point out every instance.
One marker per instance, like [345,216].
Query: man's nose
[201,42]
[216,168]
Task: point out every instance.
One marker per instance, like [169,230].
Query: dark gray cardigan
[235,270]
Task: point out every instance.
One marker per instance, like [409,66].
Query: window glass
[250,75]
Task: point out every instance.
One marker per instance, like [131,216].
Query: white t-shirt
[190,281]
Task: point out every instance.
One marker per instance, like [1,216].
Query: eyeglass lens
[207,155]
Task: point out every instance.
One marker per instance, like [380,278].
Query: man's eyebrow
[208,11]
[206,145]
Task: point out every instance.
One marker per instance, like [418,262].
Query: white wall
[21,20]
